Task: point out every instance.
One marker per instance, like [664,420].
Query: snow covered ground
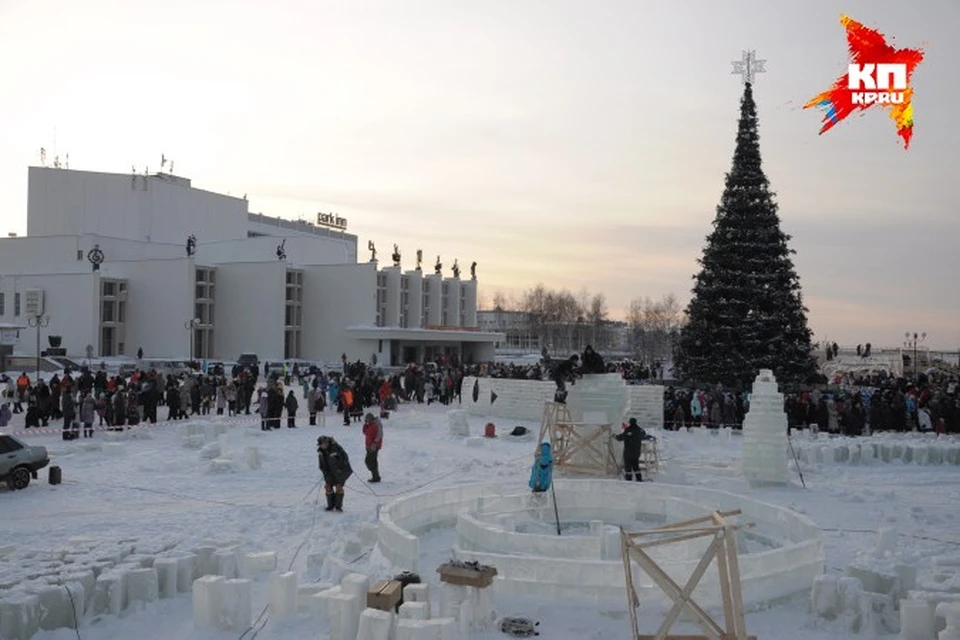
[155,490]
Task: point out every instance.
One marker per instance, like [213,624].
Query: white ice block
[323,603]
[210,451]
[166,569]
[206,563]
[916,620]
[450,596]
[236,604]
[458,424]
[415,611]
[187,572]
[886,542]
[419,592]
[344,616]
[306,594]
[109,595]
[253,458]
[825,597]
[19,615]
[194,441]
[207,600]
[253,564]
[413,630]
[221,465]
[226,563]
[483,613]
[356,584]
[443,629]
[55,608]
[283,595]
[375,625]
[142,586]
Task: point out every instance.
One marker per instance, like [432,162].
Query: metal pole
[38,349]
[556,512]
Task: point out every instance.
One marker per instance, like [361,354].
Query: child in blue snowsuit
[542,472]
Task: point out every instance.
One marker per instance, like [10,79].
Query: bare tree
[597,315]
[500,301]
[653,327]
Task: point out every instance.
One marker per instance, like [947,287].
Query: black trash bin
[405,578]
[56,475]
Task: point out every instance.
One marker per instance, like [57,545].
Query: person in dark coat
[592,361]
[632,438]
[335,467]
[566,370]
[119,410]
[173,403]
[292,405]
[373,442]
[274,406]
[69,411]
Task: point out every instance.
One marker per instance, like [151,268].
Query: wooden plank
[688,588]
[672,589]
[734,512]
[724,570]
[658,543]
[733,563]
[676,530]
[633,602]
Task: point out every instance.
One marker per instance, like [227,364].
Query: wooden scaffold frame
[723,547]
[594,453]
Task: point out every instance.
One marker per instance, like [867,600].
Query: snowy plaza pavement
[151,491]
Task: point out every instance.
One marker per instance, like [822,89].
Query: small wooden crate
[466,577]
[384,595]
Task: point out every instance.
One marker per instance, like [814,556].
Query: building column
[392,315]
[453,302]
[415,299]
[435,294]
[469,304]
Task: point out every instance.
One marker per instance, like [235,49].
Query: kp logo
[878,75]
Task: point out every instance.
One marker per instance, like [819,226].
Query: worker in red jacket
[373,441]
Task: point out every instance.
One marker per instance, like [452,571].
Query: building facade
[116,263]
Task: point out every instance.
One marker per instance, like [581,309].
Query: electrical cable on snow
[73,610]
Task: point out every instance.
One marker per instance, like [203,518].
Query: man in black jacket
[335,467]
[566,370]
[632,438]
[592,361]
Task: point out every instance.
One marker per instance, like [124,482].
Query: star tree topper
[749,66]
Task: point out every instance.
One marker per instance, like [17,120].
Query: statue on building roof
[438,267]
[396,255]
[191,245]
[456,269]
[373,250]
[282,250]
[419,258]
[473,270]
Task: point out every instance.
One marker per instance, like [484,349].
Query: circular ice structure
[516,533]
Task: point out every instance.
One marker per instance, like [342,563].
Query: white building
[251,283]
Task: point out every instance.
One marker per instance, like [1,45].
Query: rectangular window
[2,303]
[201,292]
[121,313]
[288,316]
[109,289]
[119,348]
[106,314]
[106,341]
[16,304]
[198,312]
[79,254]
[210,314]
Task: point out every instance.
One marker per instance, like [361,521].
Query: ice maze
[913,449]
[779,557]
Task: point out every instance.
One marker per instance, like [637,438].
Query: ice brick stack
[765,434]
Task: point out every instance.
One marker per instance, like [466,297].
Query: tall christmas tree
[746,313]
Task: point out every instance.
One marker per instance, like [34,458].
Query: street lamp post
[38,321]
[912,340]
[191,325]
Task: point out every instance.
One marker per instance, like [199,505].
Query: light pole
[911,342]
[191,325]
[38,321]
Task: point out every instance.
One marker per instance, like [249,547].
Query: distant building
[247,283]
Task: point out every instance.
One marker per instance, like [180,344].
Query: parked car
[19,461]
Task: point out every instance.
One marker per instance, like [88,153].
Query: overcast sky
[574,143]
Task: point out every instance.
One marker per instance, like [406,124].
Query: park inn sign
[331,220]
